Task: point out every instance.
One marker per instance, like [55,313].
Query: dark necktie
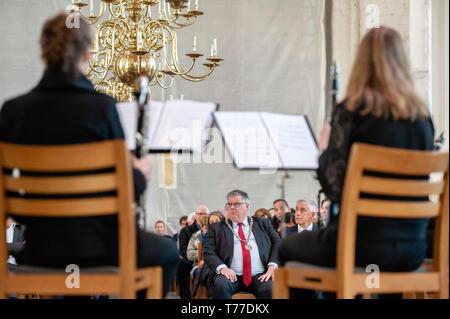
[247,264]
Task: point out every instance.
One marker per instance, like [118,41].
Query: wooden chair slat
[62,207]
[396,209]
[381,186]
[62,185]
[66,158]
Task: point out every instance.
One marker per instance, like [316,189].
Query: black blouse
[350,127]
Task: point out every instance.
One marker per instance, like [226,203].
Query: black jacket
[219,245]
[16,248]
[184,237]
[64,110]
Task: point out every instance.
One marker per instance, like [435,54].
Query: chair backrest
[385,160]
[109,156]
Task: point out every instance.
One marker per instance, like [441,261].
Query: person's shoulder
[263,221]
[16,101]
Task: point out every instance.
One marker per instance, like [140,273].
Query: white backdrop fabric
[275,59]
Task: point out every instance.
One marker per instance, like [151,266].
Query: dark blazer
[294,230]
[219,243]
[64,110]
[184,237]
[16,248]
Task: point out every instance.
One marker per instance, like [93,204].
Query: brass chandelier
[135,41]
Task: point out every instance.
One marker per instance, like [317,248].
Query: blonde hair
[381,83]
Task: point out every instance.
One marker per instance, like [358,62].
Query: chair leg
[280,290]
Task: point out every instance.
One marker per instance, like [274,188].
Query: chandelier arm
[102,69]
[165,86]
[102,78]
[187,24]
[197,78]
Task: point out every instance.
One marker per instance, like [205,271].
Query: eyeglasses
[235,205]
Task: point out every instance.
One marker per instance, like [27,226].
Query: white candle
[194,46]
[215,47]
[188,5]
[182,97]
[171,97]
[159,9]
[92,7]
[196,5]
[212,50]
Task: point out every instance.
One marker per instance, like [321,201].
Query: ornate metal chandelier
[130,42]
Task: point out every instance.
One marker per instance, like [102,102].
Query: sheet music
[174,125]
[247,140]
[128,119]
[293,139]
[182,124]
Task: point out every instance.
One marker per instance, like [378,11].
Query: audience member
[271,212]
[192,249]
[191,219]
[281,207]
[183,223]
[382,108]
[241,252]
[65,109]
[186,265]
[15,238]
[215,217]
[305,211]
[262,213]
[160,228]
[324,212]
[288,225]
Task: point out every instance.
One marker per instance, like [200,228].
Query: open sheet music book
[259,140]
[175,125]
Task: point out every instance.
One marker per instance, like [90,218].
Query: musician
[381,108]
[64,109]
[241,252]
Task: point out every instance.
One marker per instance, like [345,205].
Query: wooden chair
[347,281]
[123,280]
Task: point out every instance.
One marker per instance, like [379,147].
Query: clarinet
[334,73]
[141,93]
[319,217]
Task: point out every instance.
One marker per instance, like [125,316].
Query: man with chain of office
[241,252]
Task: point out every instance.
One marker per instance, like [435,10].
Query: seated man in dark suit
[305,211]
[241,252]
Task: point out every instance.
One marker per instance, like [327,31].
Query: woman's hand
[325,136]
